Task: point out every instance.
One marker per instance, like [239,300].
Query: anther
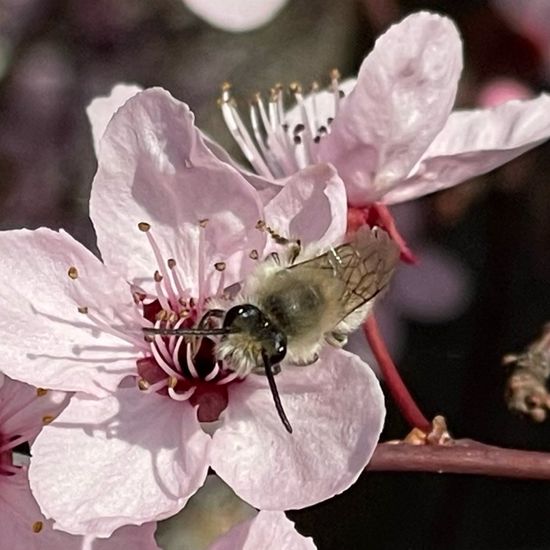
[219,266]
[226,87]
[83,309]
[317,139]
[260,224]
[72,272]
[40,392]
[144,226]
[138,296]
[172,382]
[335,74]
[47,419]
[254,254]
[171,263]
[143,384]
[295,88]
[37,526]
[157,276]
[204,222]
[162,315]
[299,128]
[297,140]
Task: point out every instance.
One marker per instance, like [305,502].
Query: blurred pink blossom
[236,15]
[175,226]
[24,410]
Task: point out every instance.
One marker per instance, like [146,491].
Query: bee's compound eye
[243,316]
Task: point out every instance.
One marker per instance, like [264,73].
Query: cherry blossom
[24,411]
[391,133]
[176,227]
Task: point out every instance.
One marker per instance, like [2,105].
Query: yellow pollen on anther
[162,315]
[184,313]
[219,266]
[295,88]
[40,392]
[47,419]
[226,86]
[144,226]
[254,254]
[82,309]
[203,222]
[172,381]
[37,526]
[72,272]
[335,74]
[143,384]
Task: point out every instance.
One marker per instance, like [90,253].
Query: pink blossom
[391,133]
[268,531]
[23,412]
[175,226]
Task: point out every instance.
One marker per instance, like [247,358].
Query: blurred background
[482,287]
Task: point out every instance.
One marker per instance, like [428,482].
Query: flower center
[181,367]
[280,146]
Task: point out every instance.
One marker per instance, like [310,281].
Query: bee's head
[249,319]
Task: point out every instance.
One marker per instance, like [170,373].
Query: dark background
[55,56]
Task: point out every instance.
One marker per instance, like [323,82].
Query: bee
[287,310]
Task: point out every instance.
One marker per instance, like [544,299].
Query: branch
[461,456]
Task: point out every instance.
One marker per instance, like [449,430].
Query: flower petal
[101,109]
[46,342]
[475,142]
[336,409]
[23,409]
[404,93]
[125,459]
[154,167]
[236,15]
[268,530]
[312,207]
[20,513]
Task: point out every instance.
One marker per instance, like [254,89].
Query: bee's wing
[355,272]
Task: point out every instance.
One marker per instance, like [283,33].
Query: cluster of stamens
[179,366]
[277,150]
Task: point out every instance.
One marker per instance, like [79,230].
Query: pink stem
[464,456]
[398,390]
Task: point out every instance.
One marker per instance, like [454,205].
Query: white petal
[475,142]
[46,342]
[404,93]
[154,167]
[268,531]
[125,459]
[336,410]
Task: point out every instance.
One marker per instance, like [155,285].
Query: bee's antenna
[275,392]
[187,331]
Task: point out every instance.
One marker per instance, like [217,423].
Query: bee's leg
[294,245]
[261,370]
[307,361]
[204,323]
[336,339]
[211,313]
